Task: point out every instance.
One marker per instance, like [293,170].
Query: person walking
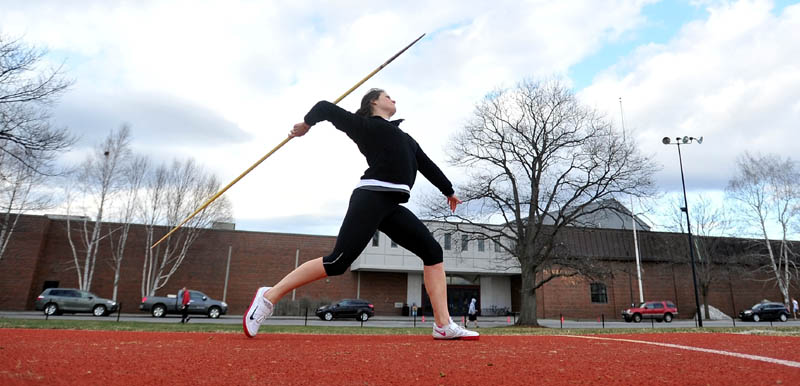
[393,159]
[185,300]
[795,307]
[472,313]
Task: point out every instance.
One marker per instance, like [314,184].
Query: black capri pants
[369,211]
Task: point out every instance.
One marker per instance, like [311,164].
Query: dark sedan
[348,308]
[766,311]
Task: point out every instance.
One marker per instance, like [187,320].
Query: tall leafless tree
[128,209]
[26,91]
[535,152]
[709,225]
[99,179]
[28,144]
[172,194]
[767,189]
[18,194]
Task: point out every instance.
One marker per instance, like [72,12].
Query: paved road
[396,321]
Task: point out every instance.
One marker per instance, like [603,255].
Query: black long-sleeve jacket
[392,155]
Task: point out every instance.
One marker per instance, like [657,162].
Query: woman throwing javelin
[394,159]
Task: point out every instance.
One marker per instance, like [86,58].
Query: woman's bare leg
[436,285]
[434,276]
[307,272]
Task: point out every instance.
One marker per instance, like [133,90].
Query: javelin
[214,197]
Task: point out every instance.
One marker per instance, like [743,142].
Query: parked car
[766,311]
[659,310]
[55,301]
[347,308]
[200,304]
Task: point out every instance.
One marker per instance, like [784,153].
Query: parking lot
[398,321]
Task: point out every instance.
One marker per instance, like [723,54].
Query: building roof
[610,214]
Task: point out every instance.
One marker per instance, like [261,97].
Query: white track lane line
[690,348]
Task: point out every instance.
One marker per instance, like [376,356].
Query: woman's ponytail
[366,102]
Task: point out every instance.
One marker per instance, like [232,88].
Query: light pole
[685,141]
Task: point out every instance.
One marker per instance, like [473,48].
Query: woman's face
[384,103]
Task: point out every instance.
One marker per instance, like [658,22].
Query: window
[464,243]
[599,294]
[447,240]
[497,245]
[393,244]
[375,239]
[463,280]
[50,284]
[654,306]
[481,247]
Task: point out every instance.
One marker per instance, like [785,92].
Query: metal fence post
[306,322]
[119,311]
[603,316]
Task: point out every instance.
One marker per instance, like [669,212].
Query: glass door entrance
[458,299]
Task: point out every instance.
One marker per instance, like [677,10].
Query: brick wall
[256,259]
[39,252]
[571,297]
[18,264]
[384,289]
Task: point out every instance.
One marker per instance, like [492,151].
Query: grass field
[237,329]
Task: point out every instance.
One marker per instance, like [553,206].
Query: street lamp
[686,141]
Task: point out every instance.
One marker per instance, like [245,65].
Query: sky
[224,81]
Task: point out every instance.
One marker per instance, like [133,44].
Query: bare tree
[28,144]
[767,188]
[99,178]
[709,225]
[18,194]
[172,194]
[134,173]
[26,91]
[534,153]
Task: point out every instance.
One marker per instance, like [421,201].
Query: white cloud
[254,68]
[733,78]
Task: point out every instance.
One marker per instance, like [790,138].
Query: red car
[659,310]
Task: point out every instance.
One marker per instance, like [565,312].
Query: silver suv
[54,301]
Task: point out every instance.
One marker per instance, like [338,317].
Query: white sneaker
[453,331]
[259,310]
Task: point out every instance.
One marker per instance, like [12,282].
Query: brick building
[39,256]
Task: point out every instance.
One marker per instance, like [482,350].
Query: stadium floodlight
[686,140]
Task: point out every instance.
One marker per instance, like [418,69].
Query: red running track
[69,357]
